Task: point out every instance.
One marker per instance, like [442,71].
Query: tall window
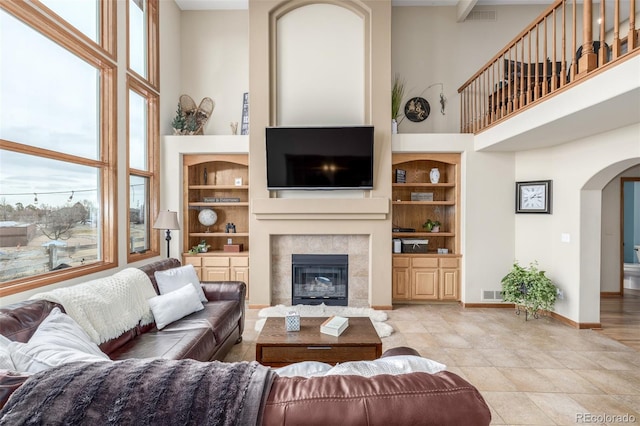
[59,144]
[143,127]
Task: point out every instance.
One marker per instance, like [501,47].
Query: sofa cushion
[223,315]
[172,279]
[174,305]
[58,340]
[401,364]
[176,341]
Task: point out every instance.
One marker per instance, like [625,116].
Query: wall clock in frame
[533,197]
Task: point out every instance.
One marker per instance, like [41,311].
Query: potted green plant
[178,122]
[529,288]
[397,93]
[432,225]
[202,247]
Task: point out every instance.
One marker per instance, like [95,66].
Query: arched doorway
[600,215]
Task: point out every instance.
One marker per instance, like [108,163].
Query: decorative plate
[417,109]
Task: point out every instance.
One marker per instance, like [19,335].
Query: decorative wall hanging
[417,109]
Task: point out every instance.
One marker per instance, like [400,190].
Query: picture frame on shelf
[534,196]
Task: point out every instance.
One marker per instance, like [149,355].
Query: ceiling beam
[464,7]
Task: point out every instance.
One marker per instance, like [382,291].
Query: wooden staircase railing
[555,52]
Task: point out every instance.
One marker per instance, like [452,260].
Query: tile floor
[539,372]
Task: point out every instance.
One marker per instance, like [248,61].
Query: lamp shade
[167,220]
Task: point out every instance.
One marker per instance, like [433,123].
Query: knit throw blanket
[142,392]
[107,307]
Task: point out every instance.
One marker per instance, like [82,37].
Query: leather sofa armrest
[9,382]
[400,350]
[439,399]
[224,290]
[227,290]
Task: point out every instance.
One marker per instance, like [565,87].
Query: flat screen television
[319,157]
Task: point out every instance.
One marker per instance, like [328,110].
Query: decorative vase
[435,228]
[394,127]
[434,175]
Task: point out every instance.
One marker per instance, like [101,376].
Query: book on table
[334,325]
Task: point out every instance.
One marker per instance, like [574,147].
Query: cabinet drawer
[424,262]
[193,260]
[240,261]
[283,355]
[401,262]
[449,262]
[215,261]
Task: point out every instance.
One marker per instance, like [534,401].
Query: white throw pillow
[400,364]
[172,306]
[303,369]
[58,340]
[174,278]
[5,356]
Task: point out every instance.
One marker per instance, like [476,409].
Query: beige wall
[214,63]
[579,170]
[430,47]
[320,67]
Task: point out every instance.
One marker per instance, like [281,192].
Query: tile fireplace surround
[356,246]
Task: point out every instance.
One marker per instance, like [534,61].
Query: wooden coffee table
[277,347]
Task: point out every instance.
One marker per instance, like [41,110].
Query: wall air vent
[492,295]
[482,15]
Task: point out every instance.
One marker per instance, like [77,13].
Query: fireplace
[319,278]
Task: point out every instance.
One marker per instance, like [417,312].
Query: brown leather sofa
[224,311]
[406,399]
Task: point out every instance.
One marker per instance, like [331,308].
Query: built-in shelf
[220,204]
[422,234]
[427,203]
[245,187]
[219,234]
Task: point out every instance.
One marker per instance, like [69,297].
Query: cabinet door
[401,284]
[449,284]
[241,273]
[216,274]
[425,284]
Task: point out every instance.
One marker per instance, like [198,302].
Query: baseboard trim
[489,305]
[562,319]
[257,306]
[574,324]
[382,307]
[610,294]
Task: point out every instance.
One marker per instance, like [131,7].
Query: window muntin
[50,214]
[53,106]
[84,15]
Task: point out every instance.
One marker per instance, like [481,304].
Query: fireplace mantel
[320,208]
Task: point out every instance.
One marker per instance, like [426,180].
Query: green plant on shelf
[202,247]
[432,225]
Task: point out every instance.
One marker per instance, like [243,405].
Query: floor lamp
[167,220]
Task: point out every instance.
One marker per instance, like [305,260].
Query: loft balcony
[574,72]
